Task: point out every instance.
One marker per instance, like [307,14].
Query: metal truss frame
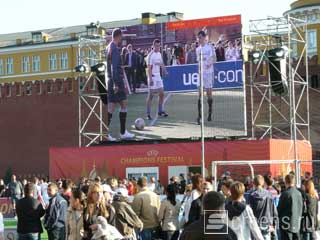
[90,104]
[268,34]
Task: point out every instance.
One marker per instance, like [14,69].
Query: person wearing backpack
[241,218]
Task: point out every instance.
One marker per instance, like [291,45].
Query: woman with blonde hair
[309,216]
[74,219]
[96,207]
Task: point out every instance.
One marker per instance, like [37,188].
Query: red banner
[6,208]
[205,22]
[114,160]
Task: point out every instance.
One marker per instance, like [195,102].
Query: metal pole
[79,93]
[252,100]
[203,166]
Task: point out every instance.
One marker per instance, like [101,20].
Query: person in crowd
[231,54]
[152,185]
[197,181]
[16,191]
[206,59]
[268,181]
[96,206]
[169,215]
[159,188]
[84,186]
[135,186]
[155,66]
[186,50]
[126,220]
[261,203]
[146,205]
[130,187]
[290,210]
[309,219]
[67,189]
[29,213]
[220,51]
[212,201]
[44,193]
[55,216]
[116,86]
[225,189]
[192,55]
[166,55]
[241,218]
[141,68]
[186,204]
[123,54]
[37,188]
[175,184]
[183,184]
[2,188]
[131,67]
[196,205]
[74,217]
[108,194]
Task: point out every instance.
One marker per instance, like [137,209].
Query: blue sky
[26,15]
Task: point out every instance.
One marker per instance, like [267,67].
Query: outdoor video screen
[179,43]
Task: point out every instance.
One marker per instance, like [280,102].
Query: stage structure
[92,126]
[279,81]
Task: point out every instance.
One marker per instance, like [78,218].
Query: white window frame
[25,64]
[312,42]
[64,60]
[53,62]
[1,67]
[36,63]
[142,171]
[9,66]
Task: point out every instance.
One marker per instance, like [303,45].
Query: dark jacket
[195,231]
[55,216]
[126,219]
[195,210]
[235,209]
[134,59]
[309,219]
[263,208]
[29,212]
[290,210]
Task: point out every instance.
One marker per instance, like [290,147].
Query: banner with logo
[227,75]
[6,208]
[114,160]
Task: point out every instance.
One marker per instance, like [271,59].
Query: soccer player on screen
[116,86]
[155,82]
[208,60]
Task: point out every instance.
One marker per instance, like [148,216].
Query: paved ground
[228,114]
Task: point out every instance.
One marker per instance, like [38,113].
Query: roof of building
[63,33]
[304,3]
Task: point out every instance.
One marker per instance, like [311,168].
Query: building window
[25,64]
[9,65]
[59,85]
[312,42]
[28,89]
[53,62]
[8,90]
[38,87]
[1,67]
[92,57]
[64,60]
[82,58]
[18,89]
[70,85]
[36,63]
[49,87]
[315,81]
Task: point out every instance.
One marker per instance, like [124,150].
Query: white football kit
[208,56]
[155,60]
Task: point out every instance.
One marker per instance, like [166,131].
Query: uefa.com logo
[216,222]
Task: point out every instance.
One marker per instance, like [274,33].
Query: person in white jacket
[240,216]
[1,227]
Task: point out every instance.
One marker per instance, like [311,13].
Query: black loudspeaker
[102,88]
[278,76]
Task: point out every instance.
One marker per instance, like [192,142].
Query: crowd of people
[134,59]
[260,208]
